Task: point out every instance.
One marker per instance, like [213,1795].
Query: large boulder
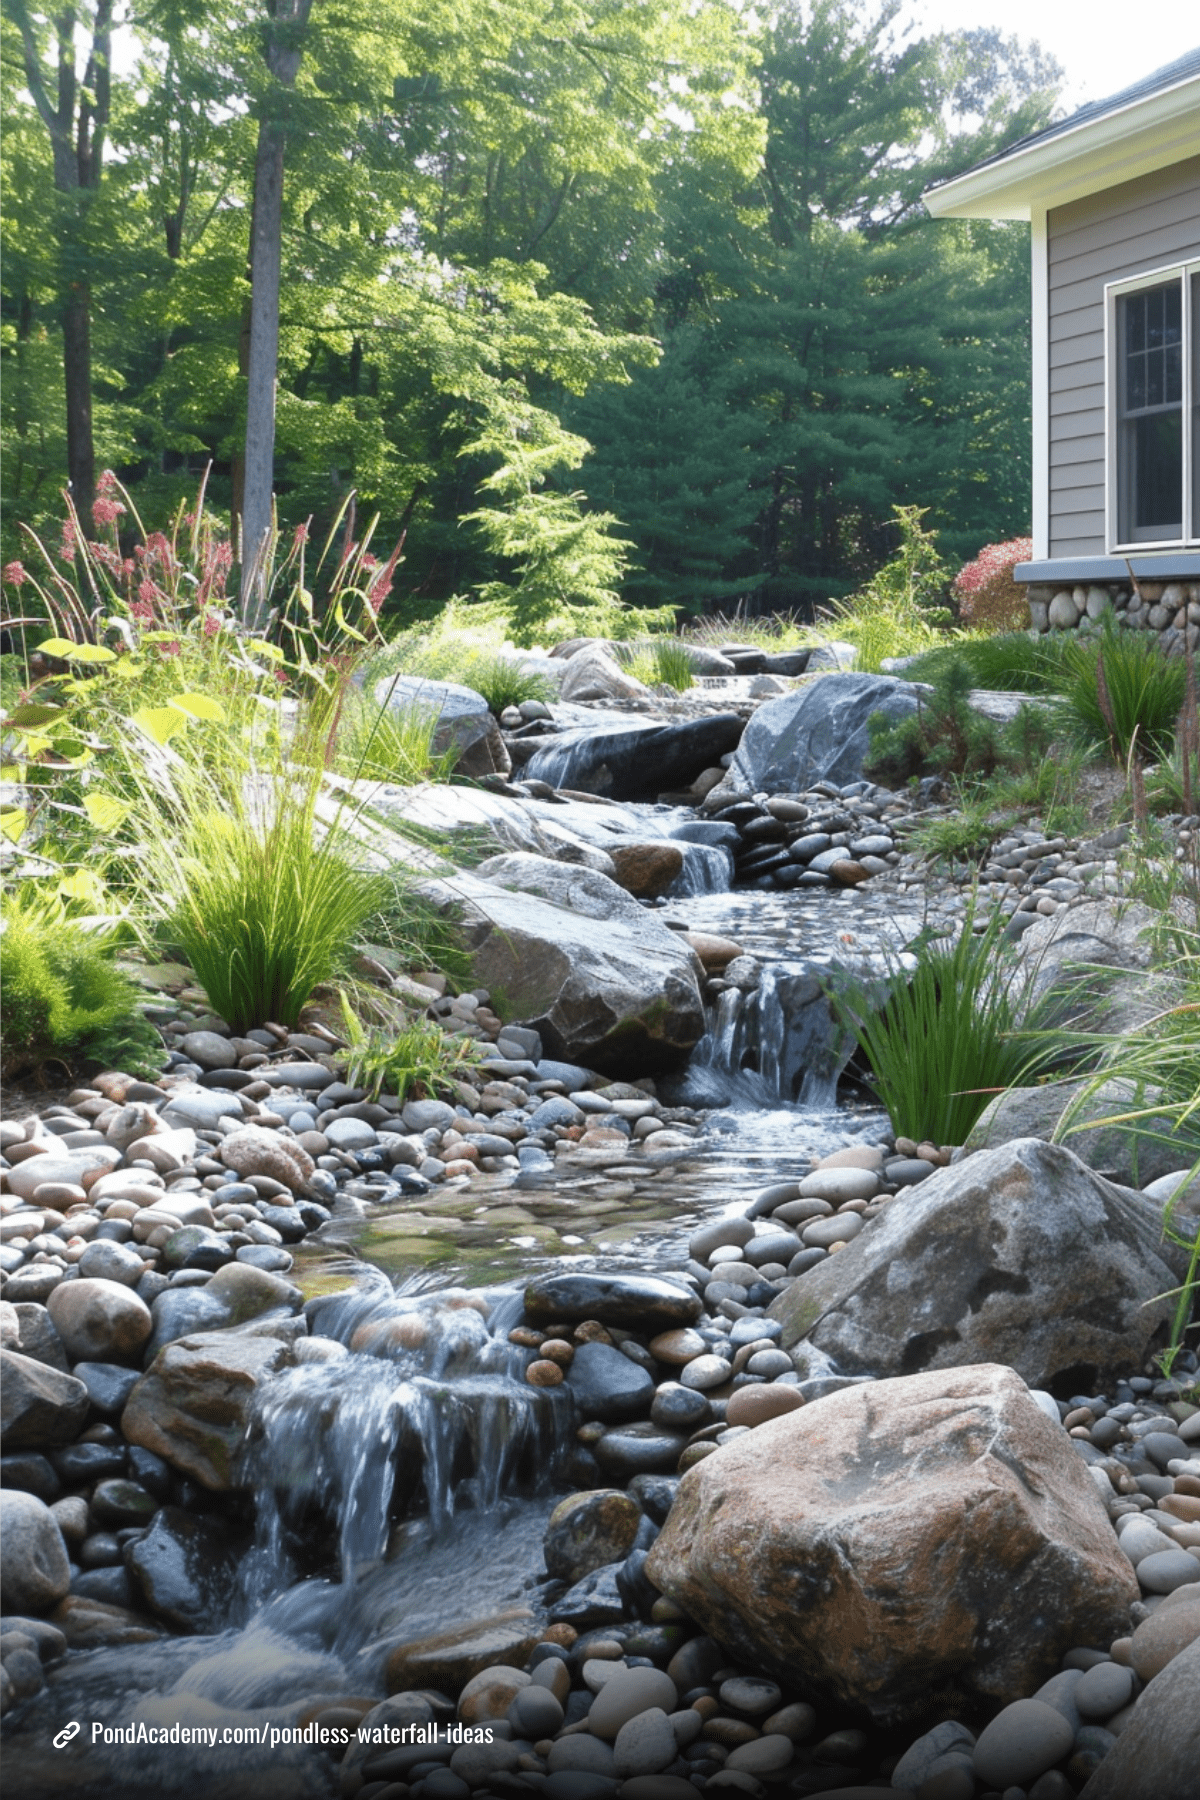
[1018,1255]
[636,762]
[192,1405]
[1158,1752]
[603,982]
[816,734]
[34,1570]
[464,723]
[593,674]
[903,1548]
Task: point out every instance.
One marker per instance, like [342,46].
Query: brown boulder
[646,870]
[899,1546]
[192,1405]
[1018,1255]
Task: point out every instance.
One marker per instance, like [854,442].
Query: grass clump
[1011,662]
[410,1058]
[943,1044]
[1121,695]
[62,999]
[902,609]
[659,662]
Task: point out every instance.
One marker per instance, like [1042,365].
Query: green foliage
[1017,662]
[1120,695]
[966,834]
[62,999]
[410,1059]
[943,1043]
[945,736]
[388,743]
[902,608]
[660,662]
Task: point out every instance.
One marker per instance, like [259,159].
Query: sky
[1099,43]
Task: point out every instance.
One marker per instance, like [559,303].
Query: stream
[414,1454]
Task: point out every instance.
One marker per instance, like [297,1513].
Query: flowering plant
[985,590]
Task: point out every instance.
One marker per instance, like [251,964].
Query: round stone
[756,1405]
[750,1694]
[489,1694]
[676,1348]
[645,1744]
[1166,1570]
[1159,1639]
[585,1752]
[643,1449]
[769,1363]
[99,1321]
[1020,1744]
[350,1134]
[838,1228]
[106,1261]
[839,1185]
[209,1049]
[1163,1447]
[608,1386]
[34,1570]
[678,1407]
[1103,1691]
[628,1693]
[766,1756]
[588,1531]
[705,1372]
[120,1503]
[544,1373]
[735,1230]
[535,1713]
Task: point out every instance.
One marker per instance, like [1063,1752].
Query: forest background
[644,286]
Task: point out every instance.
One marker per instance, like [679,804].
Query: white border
[1132,284]
[1040,408]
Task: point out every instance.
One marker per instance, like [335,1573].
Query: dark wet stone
[596,1600]
[286,1220]
[679,1408]
[182,1310]
[196,1247]
[654,1494]
[32,1473]
[638,1592]
[108,1384]
[183,1570]
[633,1302]
[150,1470]
[112,1587]
[120,1503]
[639,1450]
[80,1464]
[607,1385]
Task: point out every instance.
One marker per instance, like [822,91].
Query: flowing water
[403,1482]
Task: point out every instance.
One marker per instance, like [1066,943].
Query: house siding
[1119,232]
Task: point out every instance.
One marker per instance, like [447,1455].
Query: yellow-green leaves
[82,653]
[105,812]
[162,723]
[199,706]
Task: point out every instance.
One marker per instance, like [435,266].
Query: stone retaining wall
[1171,608]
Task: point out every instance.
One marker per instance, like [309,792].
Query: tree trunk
[283,50]
[77,371]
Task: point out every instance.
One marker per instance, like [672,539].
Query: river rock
[608,1386]
[184,1570]
[448,1661]
[632,1302]
[253,1151]
[817,734]
[105,1261]
[639,1449]
[192,1405]
[34,1569]
[1020,1744]
[636,762]
[755,1405]
[1019,1255]
[1170,1628]
[464,722]
[646,1743]
[202,1109]
[100,1321]
[1158,1752]
[625,1695]
[646,870]
[828,1547]
[39,1406]
[24,1177]
[586,1531]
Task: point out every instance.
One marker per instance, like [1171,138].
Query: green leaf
[32,714]
[83,885]
[69,652]
[13,820]
[260,647]
[198,706]
[161,723]
[105,813]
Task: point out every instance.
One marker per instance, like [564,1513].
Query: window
[1154,446]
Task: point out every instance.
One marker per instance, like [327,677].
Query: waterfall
[779,1042]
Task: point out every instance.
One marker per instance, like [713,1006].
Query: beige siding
[1120,232]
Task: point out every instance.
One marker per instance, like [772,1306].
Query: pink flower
[174,648]
[107,483]
[141,612]
[14,574]
[300,536]
[106,512]
[211,625]
[147,592]
[70,542]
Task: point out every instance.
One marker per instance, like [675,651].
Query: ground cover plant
[658,662]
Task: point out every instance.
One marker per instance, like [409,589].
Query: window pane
[1172,313]
[1158,479]
[1195,406]
[1154,318]
[1135,390]
[1135,322]
[1173,372]
[1154,379]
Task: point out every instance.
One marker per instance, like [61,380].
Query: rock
[1158,1752]
[24,1177]
[1017,1255]
[607,1385]
[449,1661]
[1020,1744]
[192,1406]
[755,1405]
[592,674]
[464,723]
[181,1312]
[602,981]
[628,1693]
[914,1765]
[765,1756]
[253,1151]
[34,1570]
[209,1049]
[636,762]
[196,1247]
[817,734]
[645,1744]
[585,1531]
[828,1547]
[100,1321]
[641,1449]
[1104,1690]
[106,1261]
[678,1408]
[633,1302]
[39,1406]
[184,1570]
[646,870]
[246,1292]
[1168,1631]
[489,1694]
[535,1713]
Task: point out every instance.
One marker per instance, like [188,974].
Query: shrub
[660,662]
[945,736]
[901,610]
[61,996]
[1121,694]
[943,1044]
[987,595]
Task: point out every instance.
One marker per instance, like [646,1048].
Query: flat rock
[1018,1255]
[632,1302]
[829,1548]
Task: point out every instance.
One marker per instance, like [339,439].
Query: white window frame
[1114,291]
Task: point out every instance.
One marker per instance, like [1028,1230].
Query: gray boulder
[34,1570]
[464,722]
[817,734]
[570,954]
[635,762]
[1018,1255]
[592,674]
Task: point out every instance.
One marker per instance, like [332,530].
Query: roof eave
[1133,140]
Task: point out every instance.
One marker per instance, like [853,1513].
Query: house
[1112,194]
